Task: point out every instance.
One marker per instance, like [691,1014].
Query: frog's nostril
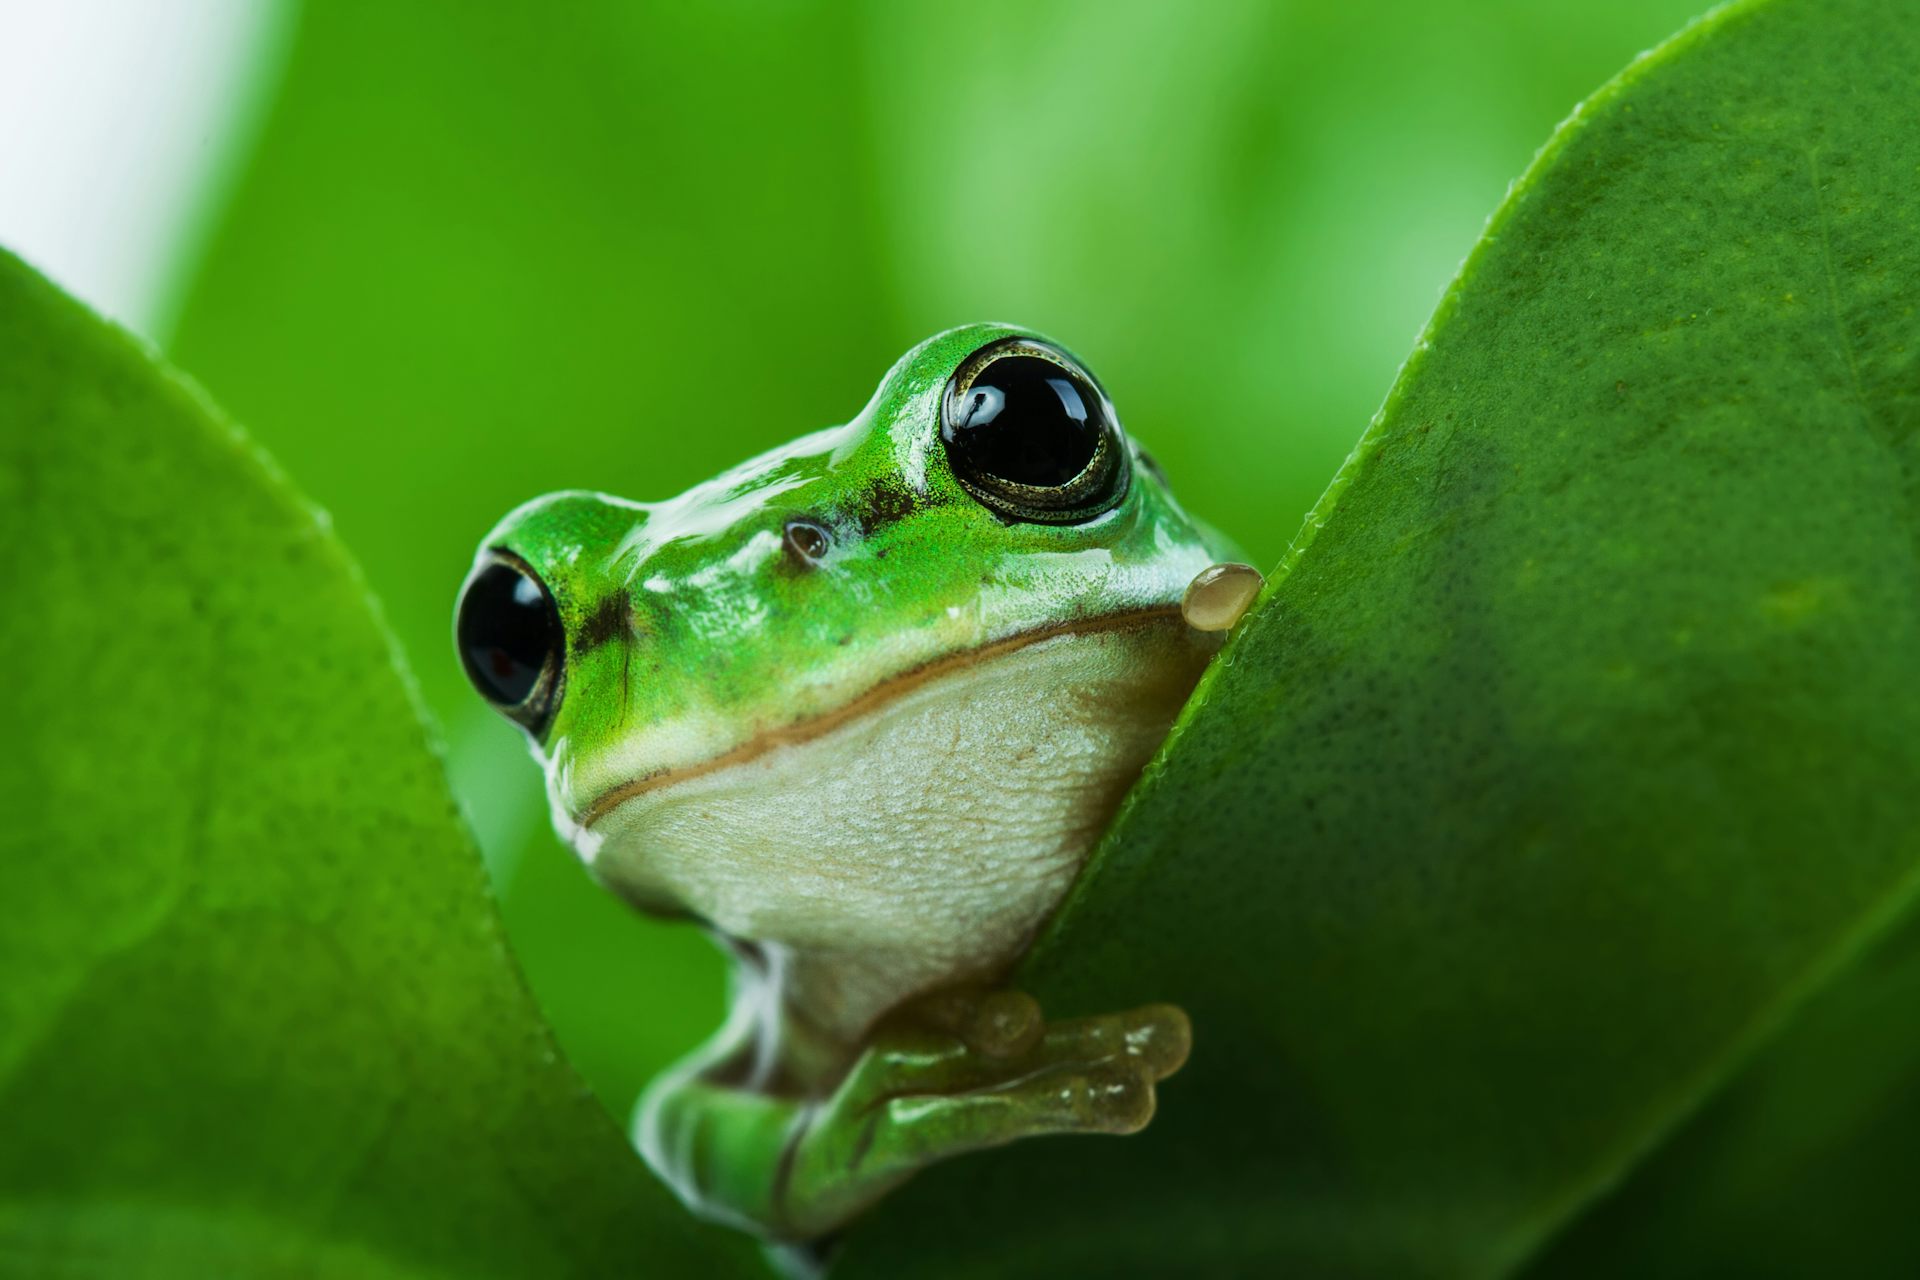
[806,543]
[510,639]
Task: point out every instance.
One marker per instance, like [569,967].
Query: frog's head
[877,689]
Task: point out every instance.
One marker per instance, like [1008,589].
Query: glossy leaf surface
[257,1014]
[1571,752]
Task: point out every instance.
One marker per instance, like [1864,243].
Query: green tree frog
[861,706]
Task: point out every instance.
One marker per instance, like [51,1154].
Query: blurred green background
[480,252]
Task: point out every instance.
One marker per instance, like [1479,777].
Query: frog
[861,707]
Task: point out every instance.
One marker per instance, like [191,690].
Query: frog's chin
[917,837]
[679,741]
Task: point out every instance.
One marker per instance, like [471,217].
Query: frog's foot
[966,1073]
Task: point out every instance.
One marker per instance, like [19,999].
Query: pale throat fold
[921,843]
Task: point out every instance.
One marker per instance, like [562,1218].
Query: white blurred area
[121,123]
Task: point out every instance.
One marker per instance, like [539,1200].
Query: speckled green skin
[694,628]
[690,611]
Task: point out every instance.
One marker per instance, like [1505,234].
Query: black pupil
[508,631]
[1029,421]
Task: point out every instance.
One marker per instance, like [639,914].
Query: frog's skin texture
[866,730]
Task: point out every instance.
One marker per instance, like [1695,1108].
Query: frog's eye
[1031,436]
[511,641]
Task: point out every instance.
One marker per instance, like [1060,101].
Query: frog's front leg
[954,1076]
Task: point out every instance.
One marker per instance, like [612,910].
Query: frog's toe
[1113,1097]
[1093,1075]
[1156,1038]
[1006,1024]
[993,1073]
[1005,1070]
[1160,1037]
[1101,1097]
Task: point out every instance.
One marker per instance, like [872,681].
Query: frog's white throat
[921,843]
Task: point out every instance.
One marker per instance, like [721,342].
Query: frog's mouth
[875,699]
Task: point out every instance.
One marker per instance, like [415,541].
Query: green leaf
[487,251]
[490,252]
[257,1014]
[1572,749]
